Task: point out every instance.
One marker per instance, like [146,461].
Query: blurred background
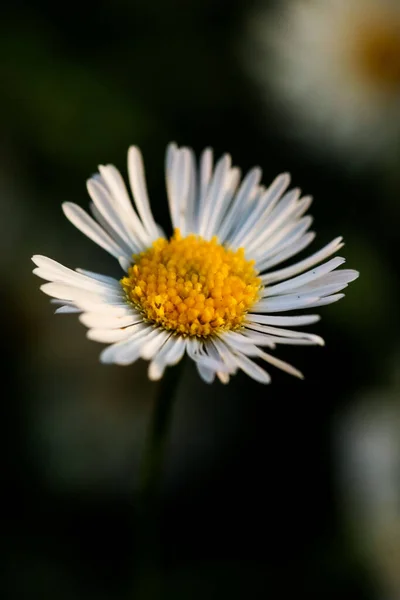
[268,492]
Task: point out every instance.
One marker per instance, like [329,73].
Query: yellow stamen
[192,286]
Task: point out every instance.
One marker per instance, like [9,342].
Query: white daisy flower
[210,290]
[334,67]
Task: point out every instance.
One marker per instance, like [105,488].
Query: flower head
[334,67]
[210,289]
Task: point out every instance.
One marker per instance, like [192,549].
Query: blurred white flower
[368,454]
[333,67]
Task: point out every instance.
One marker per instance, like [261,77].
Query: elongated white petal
[114,185]
[288,302]
[70,292]
[91,229]
[109,321]
[152,346]
[298,282]
[326,300]
[219,212]
[282,321]
[240,339]
[246,190]
[293,247]
[111,215]
[301,266]
[127,351]
[139,190]
[278,217]
[265,204]
[172,347]
[207,374]
[206,166]
[282,365]
[237,358]
[277,331]
[98,276]
[57,273]
[215,195]
[251,368]
[176,351]
[67,308]
[116,309]
[252,350]
[111,336]
[281,240]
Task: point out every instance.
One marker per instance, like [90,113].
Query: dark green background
[252,506]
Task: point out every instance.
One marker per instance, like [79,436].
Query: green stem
[153,459]
[150,478]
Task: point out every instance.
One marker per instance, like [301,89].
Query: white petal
[215,195]
[55,272]
[138,184]
[127,351]
[279,241]
[297,282]
[117,309]
[109,321]
[265,229]
[111,336]
[70,292]
[223,377]
[264,206]
[178,184]
[333,281]
[196,352]
[67,308]
[91,229]
[112,181]
[288,302]
[252,350]
[125,263]
[242,361]
[161,359]
[176,351]
[151,346]
[289,250]
[133,247]
[280,364]
[206,168]
[108,213]
[242,339]
[82,284]
[276,331]
[218,214]
[301,266]
[326,300]
[283,321]
[98,276]
[191,197]
[207,375]
[252,369]
[170,162]
[246,190]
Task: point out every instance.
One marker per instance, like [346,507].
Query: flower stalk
[149,573]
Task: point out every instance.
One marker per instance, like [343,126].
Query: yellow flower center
[192,286]
[378,53]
